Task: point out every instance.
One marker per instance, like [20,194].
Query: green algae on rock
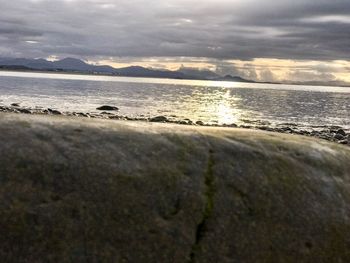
[79,190]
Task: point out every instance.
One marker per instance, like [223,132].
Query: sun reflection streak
[225,111]
[222,106]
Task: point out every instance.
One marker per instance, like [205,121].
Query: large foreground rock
[78,190]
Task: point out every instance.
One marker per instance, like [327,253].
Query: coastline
[336,134]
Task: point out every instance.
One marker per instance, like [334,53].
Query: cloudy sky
[258,39]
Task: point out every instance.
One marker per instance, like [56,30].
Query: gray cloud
[218,29]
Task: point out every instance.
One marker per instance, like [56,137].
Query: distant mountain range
[73,65]
[78,66]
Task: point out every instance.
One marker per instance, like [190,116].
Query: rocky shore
[91,190]
[335,134]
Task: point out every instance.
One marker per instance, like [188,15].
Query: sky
[267,40]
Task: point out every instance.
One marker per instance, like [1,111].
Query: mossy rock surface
[79,190]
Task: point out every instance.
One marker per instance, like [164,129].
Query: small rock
[106,113]
[345,142]
[115,117]
[287,129]
[81,114]
[54,112]
[159,119]
[24,111]
[15,104]
[303,132]
[200,123]
[182,122]
[341,132]
[264,128]
[338,136]
[107,108]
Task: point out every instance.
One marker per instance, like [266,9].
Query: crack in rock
[209,205]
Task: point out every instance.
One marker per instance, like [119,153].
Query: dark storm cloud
[220,29]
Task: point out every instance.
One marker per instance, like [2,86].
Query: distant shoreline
[75,73]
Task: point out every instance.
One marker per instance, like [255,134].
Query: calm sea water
[208,101]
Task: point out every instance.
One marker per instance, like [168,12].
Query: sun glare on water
[221,106]
[226,114]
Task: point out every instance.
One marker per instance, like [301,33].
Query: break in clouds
[218,30]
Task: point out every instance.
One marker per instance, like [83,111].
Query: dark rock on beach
[15,104]
[26,111]
[341,132]
[82,114]
[54,112]
[159,119]
[345,142]
[232,125]
[339,136]
[107,108]
[83,190]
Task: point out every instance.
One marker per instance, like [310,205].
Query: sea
[212,102]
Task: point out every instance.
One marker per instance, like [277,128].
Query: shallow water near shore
[207,101]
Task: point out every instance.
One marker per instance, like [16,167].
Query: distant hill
[23,68]
[39,64]
[137,71]
[67,64]
[235,79]
[199,73]
[73,64]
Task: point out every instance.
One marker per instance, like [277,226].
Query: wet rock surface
[330,133]
[79,190]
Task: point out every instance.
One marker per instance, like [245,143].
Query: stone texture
[80,190]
